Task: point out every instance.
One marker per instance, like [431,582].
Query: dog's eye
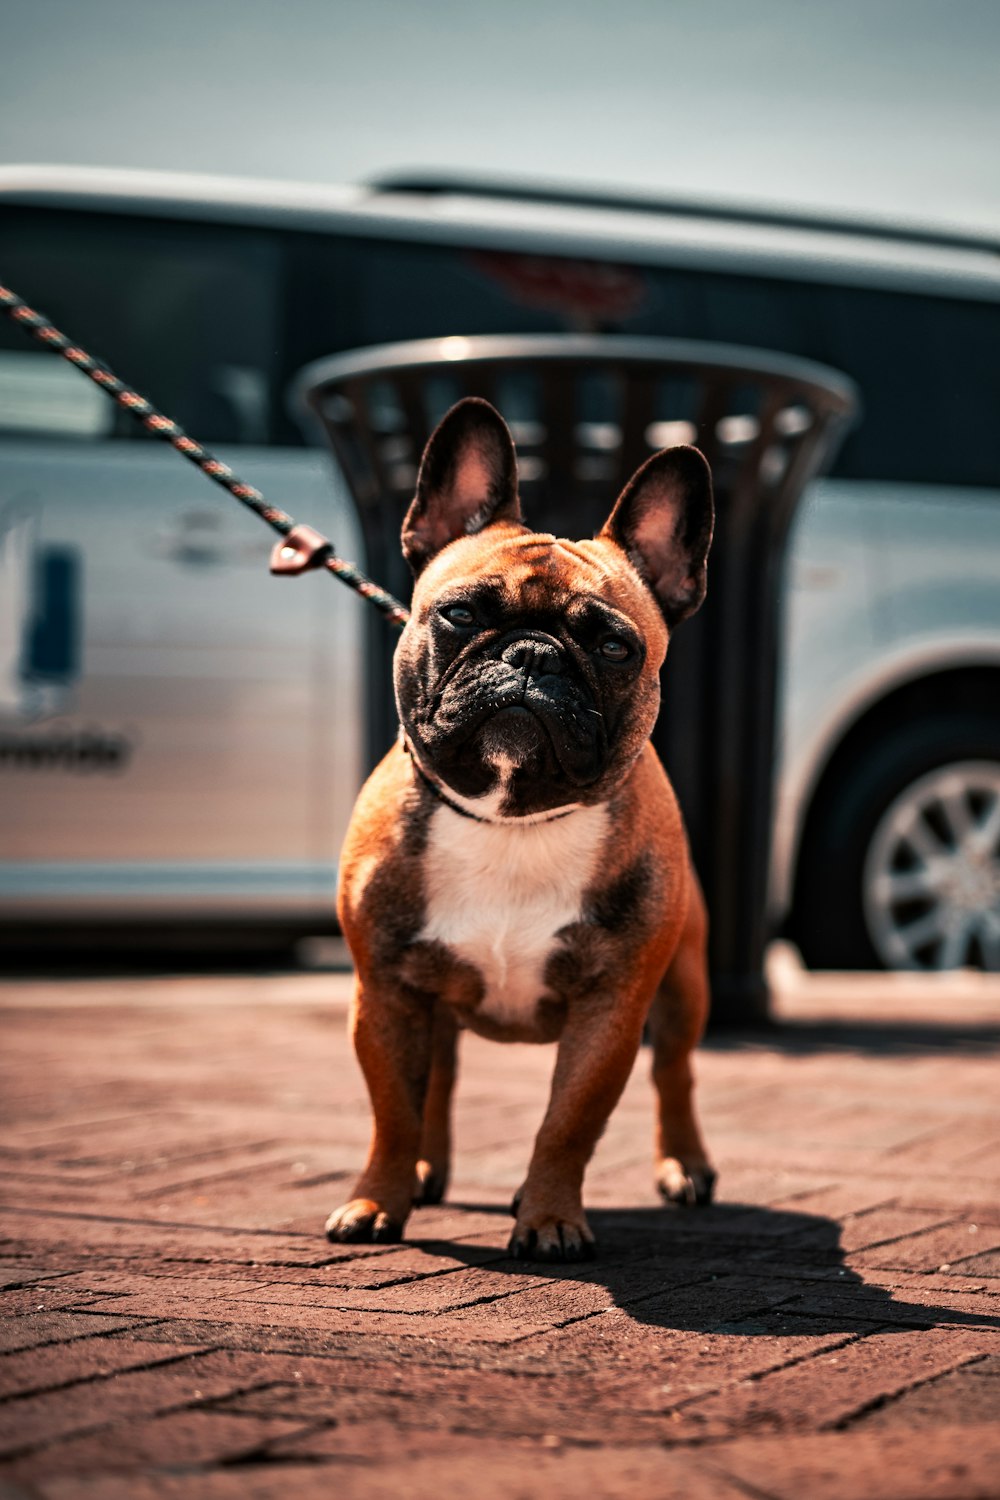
[615,649]
[458,614]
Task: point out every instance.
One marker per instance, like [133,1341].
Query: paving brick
[97,1284]
[947,1464]
[901,1282]
[178,1440]
[707,1304]
[54,1365]
[954,1144]
[51,1328]
[929,1249]
[17,1274]
[252,1336]
[973,1201]
[829,1388]
[456,1288]
[838,1199]
[656,1369]
[885,1227]
[987,1264]
[48,1296]
[928,1307]
[965,1398]
[31,1421]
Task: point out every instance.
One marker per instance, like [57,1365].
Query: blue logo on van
[41,650]
[41,624]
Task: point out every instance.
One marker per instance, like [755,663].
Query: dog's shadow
[729,1268]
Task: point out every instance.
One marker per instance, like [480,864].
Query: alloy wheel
[931,882]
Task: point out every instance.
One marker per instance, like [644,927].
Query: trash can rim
[465,350]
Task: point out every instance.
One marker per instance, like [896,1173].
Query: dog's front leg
[596,1052]
[391,1030]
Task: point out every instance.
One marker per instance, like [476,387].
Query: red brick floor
[176,1325]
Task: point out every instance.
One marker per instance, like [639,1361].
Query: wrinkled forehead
[536,571]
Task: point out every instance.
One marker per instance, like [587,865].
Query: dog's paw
[552,1239]
[363,1222]
[688,1184]
[515,1202]
[430,1185]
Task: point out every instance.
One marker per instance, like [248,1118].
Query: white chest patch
[497,894]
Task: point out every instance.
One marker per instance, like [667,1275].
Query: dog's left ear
[663,520]
[467,480]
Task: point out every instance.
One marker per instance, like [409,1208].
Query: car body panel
[216,685]
[885,584]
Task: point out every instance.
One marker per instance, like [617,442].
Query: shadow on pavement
[878,1038]
[727,1268]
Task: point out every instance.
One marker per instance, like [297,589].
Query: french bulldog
[517,865]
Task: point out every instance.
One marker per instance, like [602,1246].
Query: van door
[166,742]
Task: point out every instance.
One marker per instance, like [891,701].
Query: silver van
[179,733]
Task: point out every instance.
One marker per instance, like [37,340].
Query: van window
[47,395]
[212,322]
[928,368]
[188,313]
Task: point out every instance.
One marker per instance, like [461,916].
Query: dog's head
[528,674]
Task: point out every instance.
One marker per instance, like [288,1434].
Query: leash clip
[303,548]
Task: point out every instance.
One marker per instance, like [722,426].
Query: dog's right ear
[663,520]
[467,480]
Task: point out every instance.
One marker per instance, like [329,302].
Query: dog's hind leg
[434,1165]
[677,1018]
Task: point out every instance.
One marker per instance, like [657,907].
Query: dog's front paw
[550,1237]
[363,1222]
[687,1183]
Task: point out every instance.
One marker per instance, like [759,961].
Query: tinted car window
[928,367]
[213,321]
[186,313]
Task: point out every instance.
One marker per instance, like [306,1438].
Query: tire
[900,867]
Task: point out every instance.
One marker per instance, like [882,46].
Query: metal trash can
[585,411]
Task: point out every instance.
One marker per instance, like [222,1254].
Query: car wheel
[901,864]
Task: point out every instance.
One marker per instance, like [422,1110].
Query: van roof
[547,219]
[518,190]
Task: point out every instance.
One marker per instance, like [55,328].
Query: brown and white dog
[517,864]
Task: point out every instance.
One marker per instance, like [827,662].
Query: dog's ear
[467,480]
[663,520]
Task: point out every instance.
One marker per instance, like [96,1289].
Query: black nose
[537,658]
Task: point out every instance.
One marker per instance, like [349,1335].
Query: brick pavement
[176,1326]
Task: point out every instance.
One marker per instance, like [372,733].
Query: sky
[890,108]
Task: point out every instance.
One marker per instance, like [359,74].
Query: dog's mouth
[518,736]
[543,732]
[516,706]
[539,715]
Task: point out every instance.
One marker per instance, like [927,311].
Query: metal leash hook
[303,548]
